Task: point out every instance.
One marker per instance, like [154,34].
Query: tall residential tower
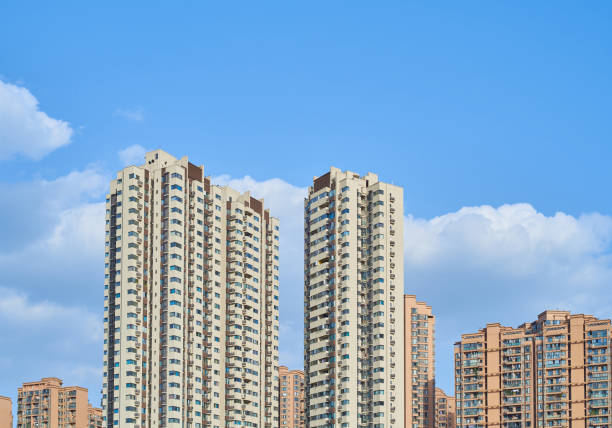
[353,302]
[191,301]
[291,384]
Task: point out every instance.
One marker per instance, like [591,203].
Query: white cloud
[565,254]
[24,129]
[132,155]
[133,114]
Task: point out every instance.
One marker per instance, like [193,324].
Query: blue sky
[495,117]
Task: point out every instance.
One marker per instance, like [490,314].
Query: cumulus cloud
[133,114]
[24,128]
[569,257]
[132,155]
[483,264]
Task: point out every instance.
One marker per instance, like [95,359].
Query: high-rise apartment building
[46,403]
[419,363]
[6,412]
[353,304]
[553,372]
[291,386]
[445,410]
[191,301]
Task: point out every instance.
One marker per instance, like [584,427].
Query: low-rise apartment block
[419,363]
[553,372]
[445,410]
[46,403]
[95,417]
[291,386]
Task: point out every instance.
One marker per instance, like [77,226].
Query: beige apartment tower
[419,363]
[6,412]
[191,301]
[445,410]
[553,372]
[291,385]
[46,403]
[353,302]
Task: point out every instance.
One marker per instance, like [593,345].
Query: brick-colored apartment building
[553,372]
[419,363]
[96,419]
[46,403]
[445,410]
[291,387]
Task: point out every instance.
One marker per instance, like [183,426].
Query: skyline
[472,139]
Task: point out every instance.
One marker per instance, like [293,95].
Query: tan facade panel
[6,412]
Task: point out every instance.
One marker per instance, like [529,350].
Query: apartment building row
[191,313]
[47,403]
[358,353]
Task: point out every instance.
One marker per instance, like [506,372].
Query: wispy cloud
[132,114]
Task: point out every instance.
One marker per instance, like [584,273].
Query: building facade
[191,301]
[6,412]
[419,363]
[46,403]
[95,417]
[445,410]
[291,387]
[353,302]
[552,372]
